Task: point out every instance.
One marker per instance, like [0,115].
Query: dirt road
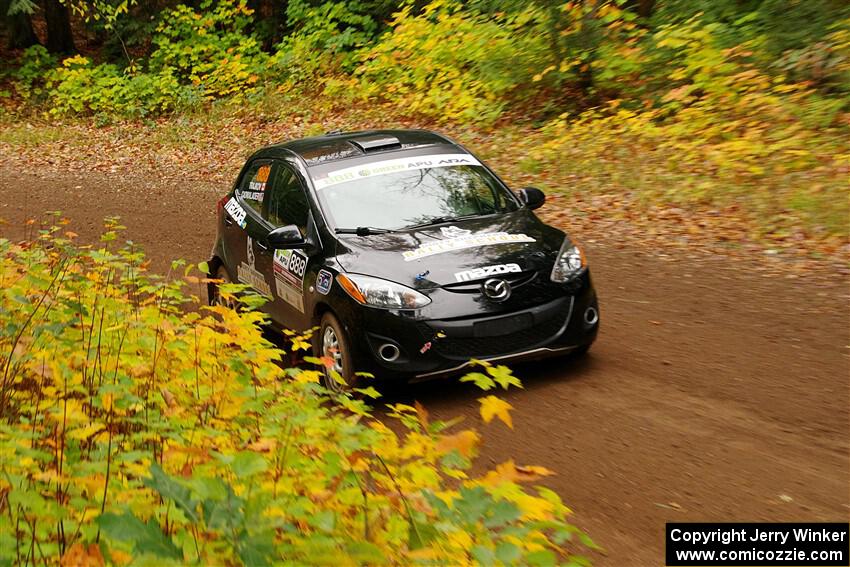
[714,393]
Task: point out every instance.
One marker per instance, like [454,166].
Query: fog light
[388,352]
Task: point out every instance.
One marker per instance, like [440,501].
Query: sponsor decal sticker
[427,346]
[478,273]
[324,281]
[235,210]
[250,252]
[253,195]
[392,166]
[257,186]
[289,295]
[454,232]
[463,242]
[289,268]
[248,275]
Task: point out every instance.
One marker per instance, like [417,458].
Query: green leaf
[480,380]
[472,504]
[504,377]
[170,489]
[224,513]
[324,520]
[246,464]
[484,555]
[125,527]
[502,513]
[370,392]
[364,552]
[257,549]
[209,488]
[145,537]
[543,557]
[419,535]
[508,553]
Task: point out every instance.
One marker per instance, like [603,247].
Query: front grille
[515,279]
[525,339]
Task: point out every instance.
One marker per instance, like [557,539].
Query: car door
[250,198]
[287,204]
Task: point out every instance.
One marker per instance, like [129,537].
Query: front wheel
[333,344]
[215,293]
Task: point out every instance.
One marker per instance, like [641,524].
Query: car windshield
[416,196]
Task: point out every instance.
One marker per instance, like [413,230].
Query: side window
[253,187]
[288,203]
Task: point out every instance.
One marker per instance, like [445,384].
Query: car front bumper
[434,348]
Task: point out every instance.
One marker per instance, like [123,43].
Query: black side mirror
[286,238]
[532,197]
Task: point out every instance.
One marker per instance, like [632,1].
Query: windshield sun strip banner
[393,166]
[462,242]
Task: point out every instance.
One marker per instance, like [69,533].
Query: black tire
[215,296]
[333,342]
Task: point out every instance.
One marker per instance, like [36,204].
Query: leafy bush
[29,77]
[209,48]
[324,41]
[197,56]
[133,427]
[79,87]
[449,63]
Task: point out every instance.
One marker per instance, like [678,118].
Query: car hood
[434,256]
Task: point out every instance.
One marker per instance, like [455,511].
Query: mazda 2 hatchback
[406,252]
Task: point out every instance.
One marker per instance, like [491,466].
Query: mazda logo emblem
[495,289]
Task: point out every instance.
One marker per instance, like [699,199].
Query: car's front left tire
[333,345]
[214,291]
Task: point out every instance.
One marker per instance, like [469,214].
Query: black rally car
[408,253]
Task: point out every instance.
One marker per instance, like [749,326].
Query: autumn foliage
[138,426]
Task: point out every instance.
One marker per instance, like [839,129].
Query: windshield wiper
[363,230]
[442,220]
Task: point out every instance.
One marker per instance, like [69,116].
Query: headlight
[381,293]
[570,261]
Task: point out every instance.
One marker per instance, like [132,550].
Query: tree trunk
[59,37]
[645,8]
[21,34]
[642,8]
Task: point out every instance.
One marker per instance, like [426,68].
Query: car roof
[342,145]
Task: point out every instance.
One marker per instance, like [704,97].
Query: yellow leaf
[491,407]
[85,432]
[263,445]
[422,415]
[465,442]
[510,472]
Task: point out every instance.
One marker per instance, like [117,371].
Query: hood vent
[376,143]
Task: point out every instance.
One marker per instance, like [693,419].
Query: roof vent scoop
[376,143]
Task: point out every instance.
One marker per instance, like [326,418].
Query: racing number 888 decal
[297,264]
